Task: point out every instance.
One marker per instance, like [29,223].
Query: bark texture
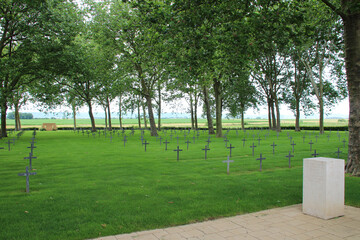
[208,112]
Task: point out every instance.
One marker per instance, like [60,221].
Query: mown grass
[87,186]
[227,123]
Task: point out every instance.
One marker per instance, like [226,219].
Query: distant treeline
[11,115]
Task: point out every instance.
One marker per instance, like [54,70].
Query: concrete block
[323,187]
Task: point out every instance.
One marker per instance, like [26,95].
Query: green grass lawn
[227,123]
[88,187]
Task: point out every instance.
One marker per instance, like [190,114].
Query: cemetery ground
[181,122]
[90,185]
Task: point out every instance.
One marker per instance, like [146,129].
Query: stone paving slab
[287,223]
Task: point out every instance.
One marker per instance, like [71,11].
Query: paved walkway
[281,223]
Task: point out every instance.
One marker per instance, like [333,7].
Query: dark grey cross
[226,141]
[303,138]
[208,141]
[88,133]
[290,138]
[30,157]
[193,139]
[311,143]
[260,159]
[187,142]
[231,147]
[94,135]
[344,141]
[27,174]
[9,142]
[253,148]
[185,135]
[228,161]
[178,150]
[99,133]
[338,153]
[124,140]
[244,140]
[13,140]
[273,145]
[111,137]
[316,136]
[259,139]
[206,149]
[177,138]
[328,136]
[315,154]
[293,144]
[31,148]
[166,143]
[160,138]
[339,136]
[289,156]
[145,143]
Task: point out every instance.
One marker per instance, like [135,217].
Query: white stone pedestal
[323,187]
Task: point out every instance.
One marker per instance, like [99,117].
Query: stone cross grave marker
[194,138]
[31,148]
[311,143]
[9,143]
[293,146]
[303,137]
[315,154]
[289,157]
[316,136]
[338,152]
[27,174]
[145,143]
[260,159]
[166,143]
[253,148]
[344,141]
[30,157]
[244,140]
[273,145]
[187,142]
[177,139]
[231,147]
[206,149]
[228,161]
[178,150]
[208,141]
[328,137]
[259,139]
[226,141]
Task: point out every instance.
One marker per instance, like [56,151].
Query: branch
[335,9]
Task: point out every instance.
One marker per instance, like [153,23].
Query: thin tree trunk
[273,114]
[242,120]
[144,112]
[278,126]
[120,116]
[74,115]
[139,116]
[269,114]
[3,118]
[105,118]
[297,115]
[321,100]
[159,112]
[192,112]
[109,113]
[208,112]
[17,116]
[195,111]
[352,56]
[93,128]
[218,106]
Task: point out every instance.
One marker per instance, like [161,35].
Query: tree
[33,35]
[349,11]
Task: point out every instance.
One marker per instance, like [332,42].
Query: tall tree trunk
[139,116]
[196,98]
[17,117]
[151,116]
[192,111]
[91,115]
[144,113]
[242,120]
[321,100]
[120,116]
[208,112]
[74,115]
[297,115]
[105,117]
[218,106]
[159,112]
[273,114]
[269,113]
[277,107]
[352,61]
[3,117]
[109,113]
